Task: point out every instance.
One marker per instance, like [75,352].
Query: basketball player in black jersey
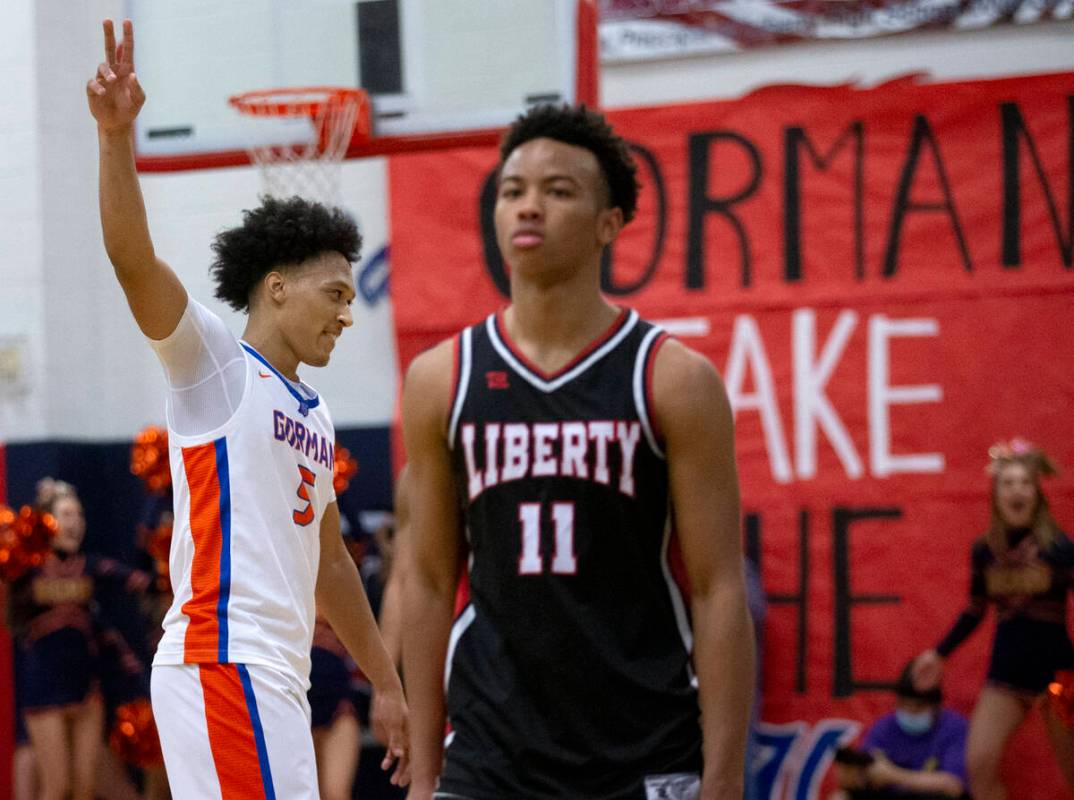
[576,610]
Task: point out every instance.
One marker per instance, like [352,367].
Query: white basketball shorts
[234,732]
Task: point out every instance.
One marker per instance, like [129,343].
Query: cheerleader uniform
[1028,586]
[53,624]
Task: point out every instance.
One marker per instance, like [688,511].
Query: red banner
[884,279]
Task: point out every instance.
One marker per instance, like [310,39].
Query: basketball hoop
[309,166]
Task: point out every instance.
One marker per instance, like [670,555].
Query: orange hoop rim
[303,101]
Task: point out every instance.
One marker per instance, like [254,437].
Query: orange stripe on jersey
[231,733]
[203,631]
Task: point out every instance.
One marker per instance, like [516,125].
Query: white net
[317,126]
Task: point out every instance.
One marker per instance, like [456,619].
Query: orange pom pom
[134,735]
[149,459]
[1061,695]
[345,469]
[25,540]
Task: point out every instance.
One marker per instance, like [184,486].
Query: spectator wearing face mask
[914,752]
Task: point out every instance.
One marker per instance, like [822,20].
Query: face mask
[913,724]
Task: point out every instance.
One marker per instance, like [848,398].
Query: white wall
[77,288]
[21,281]
[87,372]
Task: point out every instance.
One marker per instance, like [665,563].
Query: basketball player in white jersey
[257,533]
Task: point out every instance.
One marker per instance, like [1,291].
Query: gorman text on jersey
[303,439]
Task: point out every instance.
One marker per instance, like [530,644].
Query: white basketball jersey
[249,500]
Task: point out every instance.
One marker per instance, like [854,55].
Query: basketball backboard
[439,72]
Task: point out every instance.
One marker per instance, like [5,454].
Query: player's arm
[692,410]
[156,297]
[432,576]
[342,600]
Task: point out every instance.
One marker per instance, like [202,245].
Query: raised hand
[114,94]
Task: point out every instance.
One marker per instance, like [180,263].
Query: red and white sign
[884,278]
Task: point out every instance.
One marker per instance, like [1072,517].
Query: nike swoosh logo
[264,374]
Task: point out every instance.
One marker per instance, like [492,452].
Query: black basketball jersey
[568,669]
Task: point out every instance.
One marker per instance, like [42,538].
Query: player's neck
[271,345]
[551,325]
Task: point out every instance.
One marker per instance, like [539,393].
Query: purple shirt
[940,749]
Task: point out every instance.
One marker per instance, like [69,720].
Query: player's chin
[319,351]
[319,358]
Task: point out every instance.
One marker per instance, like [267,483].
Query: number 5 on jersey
[305,515]
[530,562]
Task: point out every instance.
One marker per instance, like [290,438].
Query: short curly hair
[275,234]
[582,127]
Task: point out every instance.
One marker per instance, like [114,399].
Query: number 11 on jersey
[530,562]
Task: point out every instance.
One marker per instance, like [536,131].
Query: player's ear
[609,223]
[275,286]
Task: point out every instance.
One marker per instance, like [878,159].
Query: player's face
[71,524]
[318,306]
[1016,496]
[552,214]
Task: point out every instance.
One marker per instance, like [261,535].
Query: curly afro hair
[579,126]
[276,234]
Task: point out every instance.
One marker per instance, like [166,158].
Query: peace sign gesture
[114,94]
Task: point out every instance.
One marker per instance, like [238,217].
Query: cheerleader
[52,623]
[1024,566]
